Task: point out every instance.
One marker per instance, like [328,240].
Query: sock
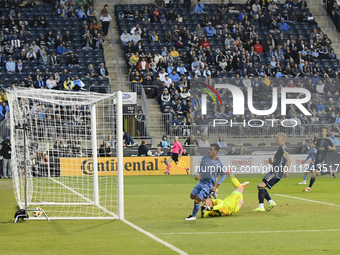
[196,209]
[168,168]
[312,180]
[235,182]
[305,178]
[271,201]
[261,195]
[261,205]
[267,196]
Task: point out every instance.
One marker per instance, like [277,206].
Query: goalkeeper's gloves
[214,194]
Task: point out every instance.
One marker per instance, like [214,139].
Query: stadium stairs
[109,49]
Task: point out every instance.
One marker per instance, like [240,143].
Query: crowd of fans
[35,53]
[259,44]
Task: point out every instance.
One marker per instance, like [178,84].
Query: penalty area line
[170,246]
[308,200]
[253,232]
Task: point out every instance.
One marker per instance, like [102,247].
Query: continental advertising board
[132,166]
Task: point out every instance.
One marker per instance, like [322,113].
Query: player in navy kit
[280,169]
[323,145]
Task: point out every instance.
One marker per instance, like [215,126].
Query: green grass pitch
[159,205]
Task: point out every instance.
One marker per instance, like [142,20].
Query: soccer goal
[67,156]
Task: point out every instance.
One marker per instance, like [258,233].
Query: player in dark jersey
[323,145]
[280,169]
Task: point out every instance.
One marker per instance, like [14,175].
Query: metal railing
[161,124]
[4,128]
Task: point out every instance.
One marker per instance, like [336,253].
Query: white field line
[253,232]
[308,200]
[170,246]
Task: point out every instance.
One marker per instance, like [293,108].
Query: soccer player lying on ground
[229,206]
[280,168]
[323,145]
[210,168]
[311,156]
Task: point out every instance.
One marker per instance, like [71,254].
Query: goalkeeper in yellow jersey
[229,206]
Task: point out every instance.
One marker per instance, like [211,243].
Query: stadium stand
[44,28]
[256,44]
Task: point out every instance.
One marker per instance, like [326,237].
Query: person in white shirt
[203,142]
[158,57]
[132,32]
[105,19]
[125,37]
[167,81]
[135,37]
[51,83]
[162,75]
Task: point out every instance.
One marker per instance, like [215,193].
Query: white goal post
[67,153]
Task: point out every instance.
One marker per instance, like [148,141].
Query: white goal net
[69,140]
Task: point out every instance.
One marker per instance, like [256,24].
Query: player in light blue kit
[211,167]
[312,156]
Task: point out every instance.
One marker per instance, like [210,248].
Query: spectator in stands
[210,30]
[20,67]
[171,16]
[102,71]
[72,60]
[174,76]
[10,66]
[44,61]
[175,128]
[335,140]
[320,108]
[185,126]
[136,28]
[125,37]
[232,151]
[105,150]
[199,7]
[98,42]
[221,142]
[191,141]
[3,110]
[40,83]
[296,121]
[91,73]
[159,152]
[68,84]
[203,142]
[320,87]
[78,84]
[54,60]
[165,142]
[283,26]
[135,38]
[51,83]
[153,37]
[62,49]
[222,8]
[159,4]
[91,13]
[142,149]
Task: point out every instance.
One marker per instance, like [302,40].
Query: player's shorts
[175,157]
[232,202]
[202,191]
[318,165]
[270,180]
